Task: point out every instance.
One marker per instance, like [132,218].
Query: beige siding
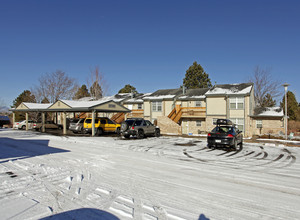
[189,126]
[269,126]
[236,113]
[216,105]
[22,107]
[59,105]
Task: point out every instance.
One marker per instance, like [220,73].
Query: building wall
[216,106]
[189,126]
[269,126]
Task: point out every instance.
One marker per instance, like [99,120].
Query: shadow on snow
[83,213]
[20,149]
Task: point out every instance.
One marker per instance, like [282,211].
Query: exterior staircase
[175,114]
[118,118]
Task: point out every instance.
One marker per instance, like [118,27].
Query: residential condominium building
[195,111]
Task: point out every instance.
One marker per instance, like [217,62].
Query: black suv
[139,127]
[225,134]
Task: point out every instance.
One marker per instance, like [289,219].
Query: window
[239,123]
[198,123]
[157,106]
[236,103]
[258,123]
[140,106]
[215,121]
[129,107]
[198,104]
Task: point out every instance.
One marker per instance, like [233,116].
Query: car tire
[118,130]
[23,127]
[99,132]
[140,134]
[126,136]
[157,133]
[235,145]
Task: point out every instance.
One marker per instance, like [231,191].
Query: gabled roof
[231,89]
[164,94]
[198,93]
[35,106]
[268,112]
[138,98]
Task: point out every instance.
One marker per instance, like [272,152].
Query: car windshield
[130,122]
[223,129]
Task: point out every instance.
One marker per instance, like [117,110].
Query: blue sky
[148,44]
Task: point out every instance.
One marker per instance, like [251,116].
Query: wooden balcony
[136,113]
[193,112]
[187,112]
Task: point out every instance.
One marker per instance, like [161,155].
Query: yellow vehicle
[101,125]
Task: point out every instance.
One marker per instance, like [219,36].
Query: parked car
[76,125]
[225,134]
[139,127]
[22,124]
[102,125]
[4,121]
[48,125]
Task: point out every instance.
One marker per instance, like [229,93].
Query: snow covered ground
[55,177]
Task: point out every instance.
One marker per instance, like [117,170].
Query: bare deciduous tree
[264,84]
[54,86]
[97,84]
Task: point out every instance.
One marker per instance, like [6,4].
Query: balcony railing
[187,112]
[136,113]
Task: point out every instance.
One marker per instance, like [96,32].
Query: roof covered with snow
[268,112]
[138,98]
[231,89]
[37,105]
[194,94]
[164,94]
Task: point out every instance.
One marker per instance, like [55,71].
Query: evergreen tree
[82,92]
[196,77]
[25,96]
[96,90]
[268,101]
[292,106]
[128,89]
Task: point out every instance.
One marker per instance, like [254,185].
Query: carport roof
[73,106]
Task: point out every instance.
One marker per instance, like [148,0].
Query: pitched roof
[231,89]
[164,94]
[198,93]
[37,105]
[268,112]
[138,98]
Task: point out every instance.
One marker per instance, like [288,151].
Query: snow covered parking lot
[55,177]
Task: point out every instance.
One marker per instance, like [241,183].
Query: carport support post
[43,121]
[26,116]
[14,119]
[93,123]
[64,123]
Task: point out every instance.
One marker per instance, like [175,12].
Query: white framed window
[239,123]
[157,106]
[236,102]
[198,123]
[129,107]
[258,123]
[198,104]
[215,121]
[140,106]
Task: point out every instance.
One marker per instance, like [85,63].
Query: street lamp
[285,85]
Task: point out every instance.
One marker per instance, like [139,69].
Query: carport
[70,106]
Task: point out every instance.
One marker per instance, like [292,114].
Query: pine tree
[82,92]
[96,90]
[196,77]
[25,96]
[268,101]
[292,106]
[128,89]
